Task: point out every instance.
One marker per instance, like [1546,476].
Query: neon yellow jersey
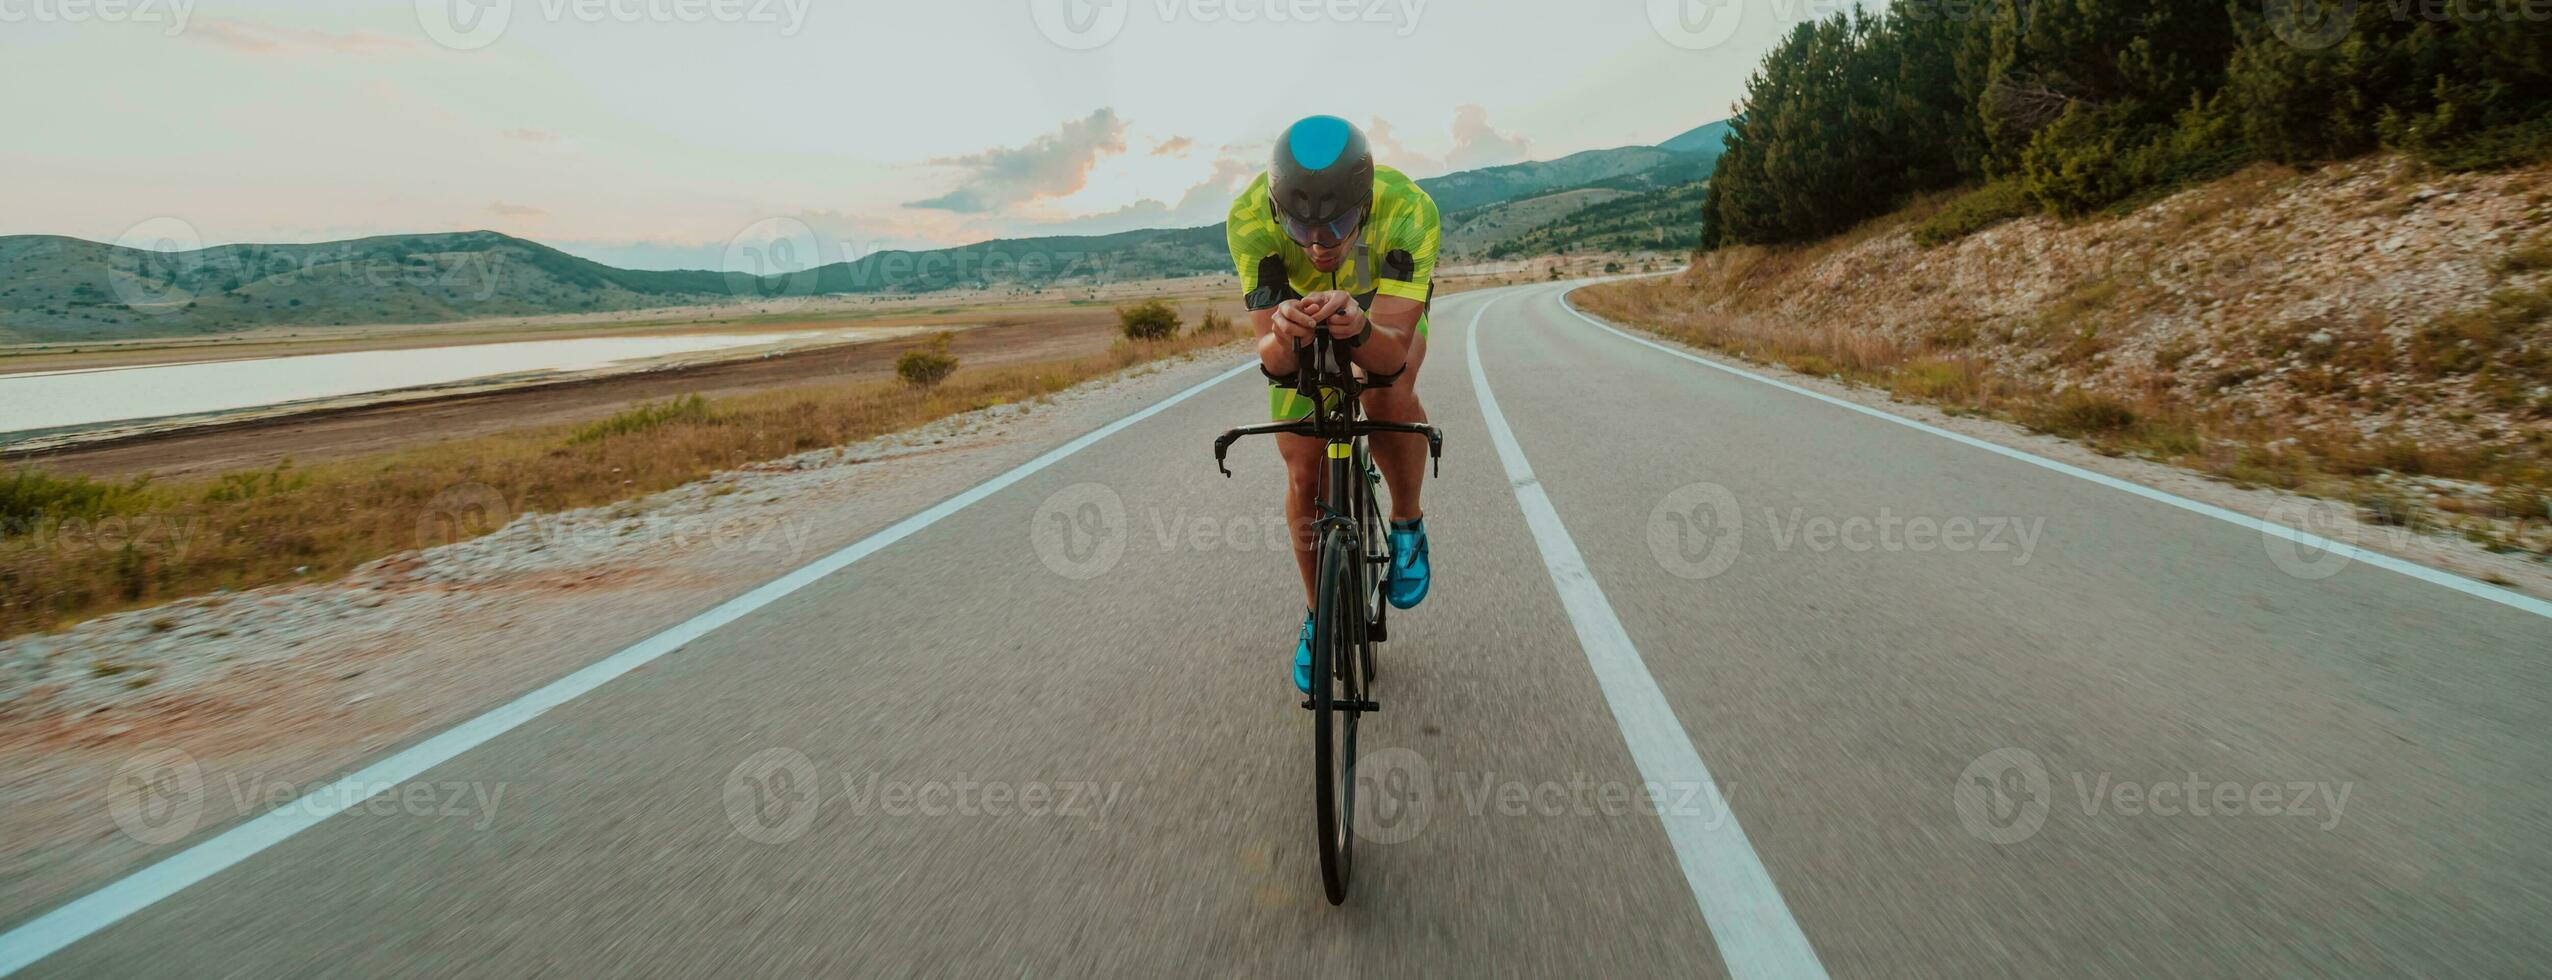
[1403,220]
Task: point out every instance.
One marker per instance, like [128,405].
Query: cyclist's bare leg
[1306,465]
[1401,457]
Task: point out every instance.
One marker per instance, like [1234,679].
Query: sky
[682,133]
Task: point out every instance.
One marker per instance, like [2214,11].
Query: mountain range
[54,288]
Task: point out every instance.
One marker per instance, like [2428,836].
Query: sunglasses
[1333,232]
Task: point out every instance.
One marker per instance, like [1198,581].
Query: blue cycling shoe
[1410,570]
[1302,658]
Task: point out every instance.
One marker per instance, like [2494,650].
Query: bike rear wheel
[1337,688]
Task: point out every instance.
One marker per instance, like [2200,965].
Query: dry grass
[74,549]
[2145,421]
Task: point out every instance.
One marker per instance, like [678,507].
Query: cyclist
[1328,241]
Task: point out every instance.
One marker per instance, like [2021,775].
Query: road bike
[1349,615]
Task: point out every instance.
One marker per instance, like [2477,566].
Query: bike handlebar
[1310,376]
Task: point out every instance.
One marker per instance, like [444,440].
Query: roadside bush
[1213,323]
[688,408]
[2080,414]
[28,497]
[1151,319]
[1976,211]
[2492,149]
[928,365]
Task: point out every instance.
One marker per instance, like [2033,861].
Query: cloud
[515,210]
[1477,144]
[530,135]
[1204,203]
[1390,152]
[1052,165]
[249,37]
[1175,146]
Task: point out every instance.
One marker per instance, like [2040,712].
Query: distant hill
[1127,255]
[1475,232]
[1490,185]
[1654,206]
[1707,138]
[54,288]
[1666,219]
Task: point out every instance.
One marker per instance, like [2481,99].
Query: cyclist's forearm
[1274,351]
[1395,329]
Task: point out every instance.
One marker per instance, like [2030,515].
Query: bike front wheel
[1337,687]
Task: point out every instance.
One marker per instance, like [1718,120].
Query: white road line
[1756,936]
[75,921]
[2506,597]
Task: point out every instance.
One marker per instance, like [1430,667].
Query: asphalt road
[1967,716]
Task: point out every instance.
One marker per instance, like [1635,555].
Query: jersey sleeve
[1419,231]
[1245,232]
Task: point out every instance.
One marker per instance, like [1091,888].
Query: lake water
[53,400]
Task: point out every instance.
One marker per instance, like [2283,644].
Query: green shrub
[688,408]
[927,365]
[30,498]
[1151,319]
[1975,211]
[252,484]
[2493,149]
[2533,256]
[2081,414]
[2507,329]
[1213,323]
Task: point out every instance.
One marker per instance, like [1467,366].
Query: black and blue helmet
[1321,182]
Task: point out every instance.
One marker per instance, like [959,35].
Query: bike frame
[1341,643]
[1324,377]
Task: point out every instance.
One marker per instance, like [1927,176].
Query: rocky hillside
[2374,329]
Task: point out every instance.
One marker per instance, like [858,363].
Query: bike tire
[1336,627]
